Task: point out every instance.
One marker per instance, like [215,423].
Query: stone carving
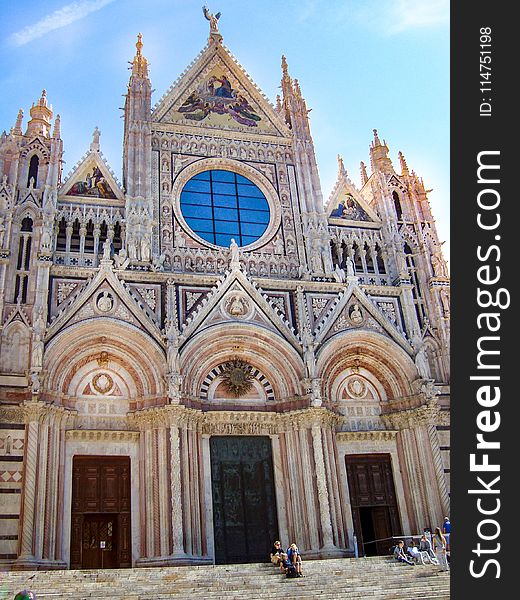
[355,314]
[237,306]
[102,383]
[213,19]
[64,290]
[105,302]
[439,265]
[234,252]
[356,387]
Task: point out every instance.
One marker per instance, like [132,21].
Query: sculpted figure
[213,19]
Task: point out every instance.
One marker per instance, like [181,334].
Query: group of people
[289,561]
[433,549]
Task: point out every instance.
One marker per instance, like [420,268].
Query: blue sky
[362,64]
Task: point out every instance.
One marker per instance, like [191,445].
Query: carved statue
[37,351]
[422,364]
[237,306]
[235,255]
[339,274]
[121,259]
[309,357]
[35,382]
[445,299]
[107,247]
[356,316]
[213,19]
[145,248]
[172,351]
[158,262]
[438,264]
[2,231]
[351,269]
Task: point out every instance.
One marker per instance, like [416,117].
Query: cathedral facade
[207,356]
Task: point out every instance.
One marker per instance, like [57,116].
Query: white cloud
[413,14]
[59,18]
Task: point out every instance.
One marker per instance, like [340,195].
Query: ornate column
[421,453]
[176,492]
[323,494]
[32,415]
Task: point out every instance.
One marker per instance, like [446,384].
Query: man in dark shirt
[278,556]
[446,530]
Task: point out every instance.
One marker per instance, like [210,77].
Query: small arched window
[397,205]
[33,170]
[23,263]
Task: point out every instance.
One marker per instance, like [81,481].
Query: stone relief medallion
[105,302]
[102,383]
[237,306]
[356,387]
[355,314]
[237,377]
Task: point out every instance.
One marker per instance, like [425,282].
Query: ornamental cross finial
[213,20]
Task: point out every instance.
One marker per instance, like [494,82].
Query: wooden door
[373,500]
[99,542]
[244,503]
[100,528]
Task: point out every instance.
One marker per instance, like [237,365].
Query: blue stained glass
[222,176]
[224,188]
[252,229]
[254,216]
[253,203]
[225,201]
[226,214]
[195,185]
[250,190]
[200,225]
[195,198]
[199,212]
[220,205]
[223,239]
[227,227]
[204,175]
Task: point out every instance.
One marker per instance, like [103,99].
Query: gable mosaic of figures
[210,332]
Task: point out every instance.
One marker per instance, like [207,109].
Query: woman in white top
[439,547]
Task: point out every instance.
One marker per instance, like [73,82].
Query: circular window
[221,205]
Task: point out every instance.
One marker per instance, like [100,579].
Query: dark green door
[244,502]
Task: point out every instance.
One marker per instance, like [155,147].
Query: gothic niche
[237,378]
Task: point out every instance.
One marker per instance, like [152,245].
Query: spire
[57,126]
[41,115]
[139,64]
[364,174]
[379,156]
[342,172]
[376,141]
[404,166]
[17,129]
[94,145]
[287,91]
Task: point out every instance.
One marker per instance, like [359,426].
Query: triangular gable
[343,314]
[106,296]
[216,92]
[92,178]
[236,298]
[347,207]
[17,314]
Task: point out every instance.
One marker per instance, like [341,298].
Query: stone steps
[374,578]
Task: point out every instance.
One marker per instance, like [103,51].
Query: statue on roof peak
[213,19]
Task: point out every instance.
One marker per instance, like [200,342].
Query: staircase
[378,578]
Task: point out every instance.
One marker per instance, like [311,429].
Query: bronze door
[244,503]
[374,502]
[100,527]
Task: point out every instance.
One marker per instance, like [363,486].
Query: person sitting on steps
[400,555]
[294,561]
[278,556]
